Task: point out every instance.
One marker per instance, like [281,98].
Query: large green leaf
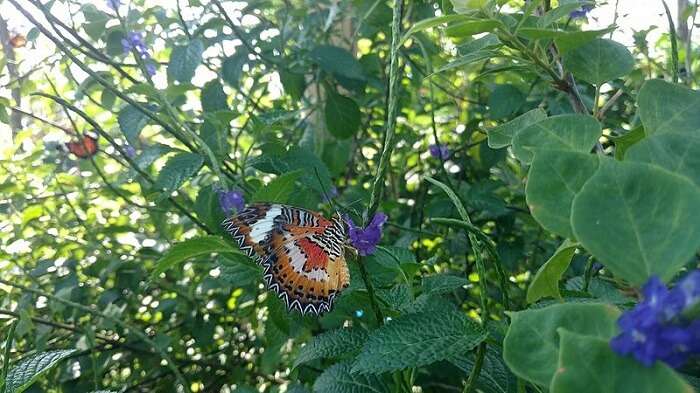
[587,364]
[673,151]
[232,68]
[184,60]
[442,283]
[342,115]
[278,190]
[296,158]
[415,340]
[131,122]
[563,132]
[191,248]
[531,346]
[555,177]
[28,370]
[502,135]
[546,281]
[338,379]
[668,107]
[638,220]
[599,61]
[332,344]
[177,170]
[238,270]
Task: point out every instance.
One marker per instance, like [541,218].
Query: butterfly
[301,252]
[18,41]
[85,147]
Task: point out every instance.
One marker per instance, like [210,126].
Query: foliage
[567,176]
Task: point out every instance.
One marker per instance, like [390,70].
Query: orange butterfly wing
[300,251]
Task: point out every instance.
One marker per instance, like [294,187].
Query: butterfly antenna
[323,190]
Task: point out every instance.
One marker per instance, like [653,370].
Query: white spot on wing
[262,227]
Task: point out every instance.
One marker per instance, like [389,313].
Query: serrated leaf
[494,376]
[131,122]
[28,370]
[546,281]
[177,170]
[239,271]
[279,189]
[184,60]
[191,248]
[332,344]
[416,340]
[442,283]
[339,379]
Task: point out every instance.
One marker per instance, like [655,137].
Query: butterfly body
[301,252]
[84,147]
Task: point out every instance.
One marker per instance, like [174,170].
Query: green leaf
[131,122]
[184,60]
[191,248]
[625,141]
[587,364]
[95,21]
[554,179]
[675,152]
[239,271]
[505,100]
[177,170]
[338,379]
[337,61]
[207,207]
[431,22]
[546,281]
[531,346]
[468,6]
[4,116]
[467,59]
[293,159]
[415,340]
[470,27]
[638,220]
[28,370]
[342,115]
[565,39]
[279,189]
[293,83]
[564,132]
[668,107]
[443,283]
[213,97]
[502,135]
[113,42]
[232,69]
[332,344]
[599,61]
[215,135]
[494,376]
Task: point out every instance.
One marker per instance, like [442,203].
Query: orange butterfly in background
[84,147]
[18,41]
[301,252]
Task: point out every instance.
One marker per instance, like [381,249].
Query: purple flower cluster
[231,201]
[129,151]
[134,41]
[439,151]
[114,4]
[660,327]
[365,240]
[581,12]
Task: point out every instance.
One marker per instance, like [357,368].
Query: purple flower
[114,4]
[231,200]
[582,12]
[657,329]
[332,193]
[134,42]
[439,151]
[365,240]
[129,151]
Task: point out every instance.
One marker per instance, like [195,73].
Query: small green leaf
[131,122]
[505,100]
[467,59]
[177,170]
[531,346]
[415,340]
[470,27]
[191,248]
[668,107]
[564,132]
[95,21]
[215,135]
[638,220]
[554,179]
[625,141]
[339,379]
[599,61]
[332,344]
[28,370]
[502,135]
[213,97]
[342,115]
[293,84]
[232,69]
[546,281]
[4,116]
[279,189]
[587,364]
[184,60]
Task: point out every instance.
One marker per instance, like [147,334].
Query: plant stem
[6,356]
[476,370]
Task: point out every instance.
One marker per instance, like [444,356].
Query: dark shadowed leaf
[184,59]
[342,115]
